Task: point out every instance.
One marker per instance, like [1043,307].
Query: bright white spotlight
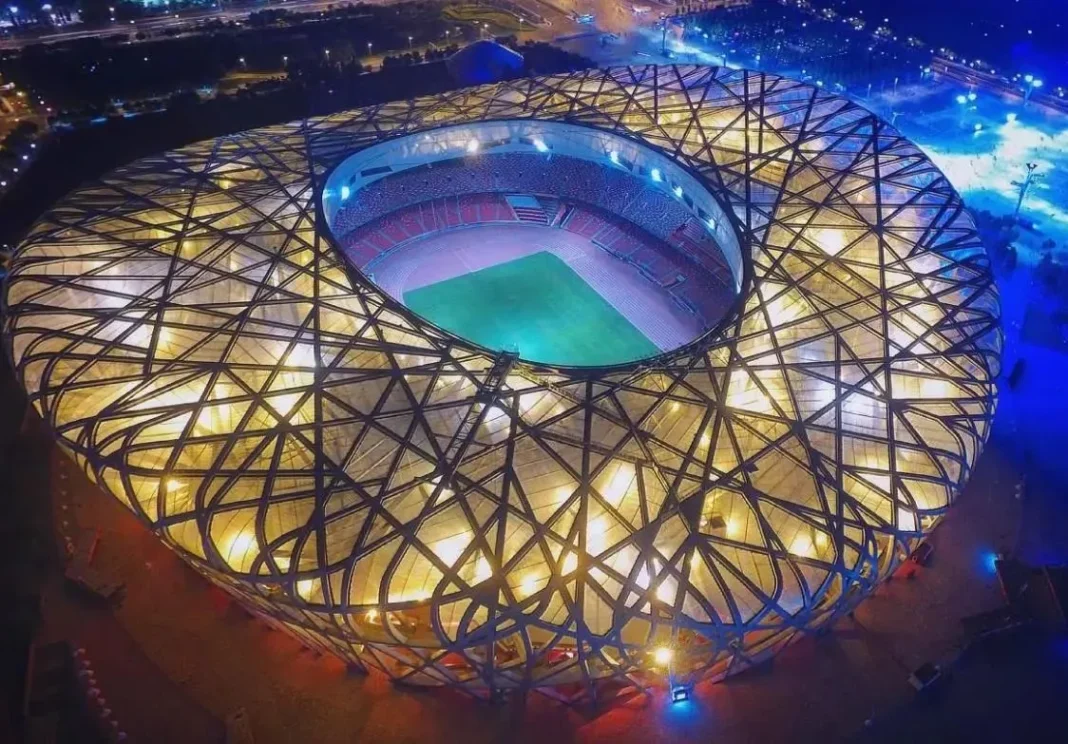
[1029,78]
[614,157]
[972,96]
[678,191]
[711,223]
[1038,83]
[663,655]
[345,191]
[472,145]
[1010,117]
[961,99]
[540,145]
[655,174]
[978,127]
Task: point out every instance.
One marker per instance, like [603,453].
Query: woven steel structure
[400,498]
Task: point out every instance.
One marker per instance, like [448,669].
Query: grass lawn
[535,305]
[503,21]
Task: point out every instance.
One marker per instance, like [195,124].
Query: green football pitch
[535,305]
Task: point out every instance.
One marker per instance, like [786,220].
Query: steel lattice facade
[400,498]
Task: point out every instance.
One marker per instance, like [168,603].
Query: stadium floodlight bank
[401,498]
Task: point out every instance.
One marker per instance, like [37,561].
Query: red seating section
[697,276]
[365,243]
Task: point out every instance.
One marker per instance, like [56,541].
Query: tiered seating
[379,241]
[583,222]
[709,296]
[654,232]
[447,211]
[468,211]
[695,240]
[368,241]
[624,244]
[361,251]
[564,178]
[656,265]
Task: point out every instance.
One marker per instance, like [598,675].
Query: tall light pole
[1031,84]
[1024,186]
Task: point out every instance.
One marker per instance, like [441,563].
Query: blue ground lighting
[989,560]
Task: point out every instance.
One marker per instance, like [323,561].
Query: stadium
[574,383]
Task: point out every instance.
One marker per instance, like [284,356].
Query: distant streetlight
[369,48]
[409,42]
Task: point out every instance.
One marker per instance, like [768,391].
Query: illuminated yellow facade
[400,498]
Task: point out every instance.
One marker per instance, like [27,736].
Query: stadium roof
[394,495]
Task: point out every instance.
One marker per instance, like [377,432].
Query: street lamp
[1024,186]
[369,45]
[409,42]
[1032,84]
